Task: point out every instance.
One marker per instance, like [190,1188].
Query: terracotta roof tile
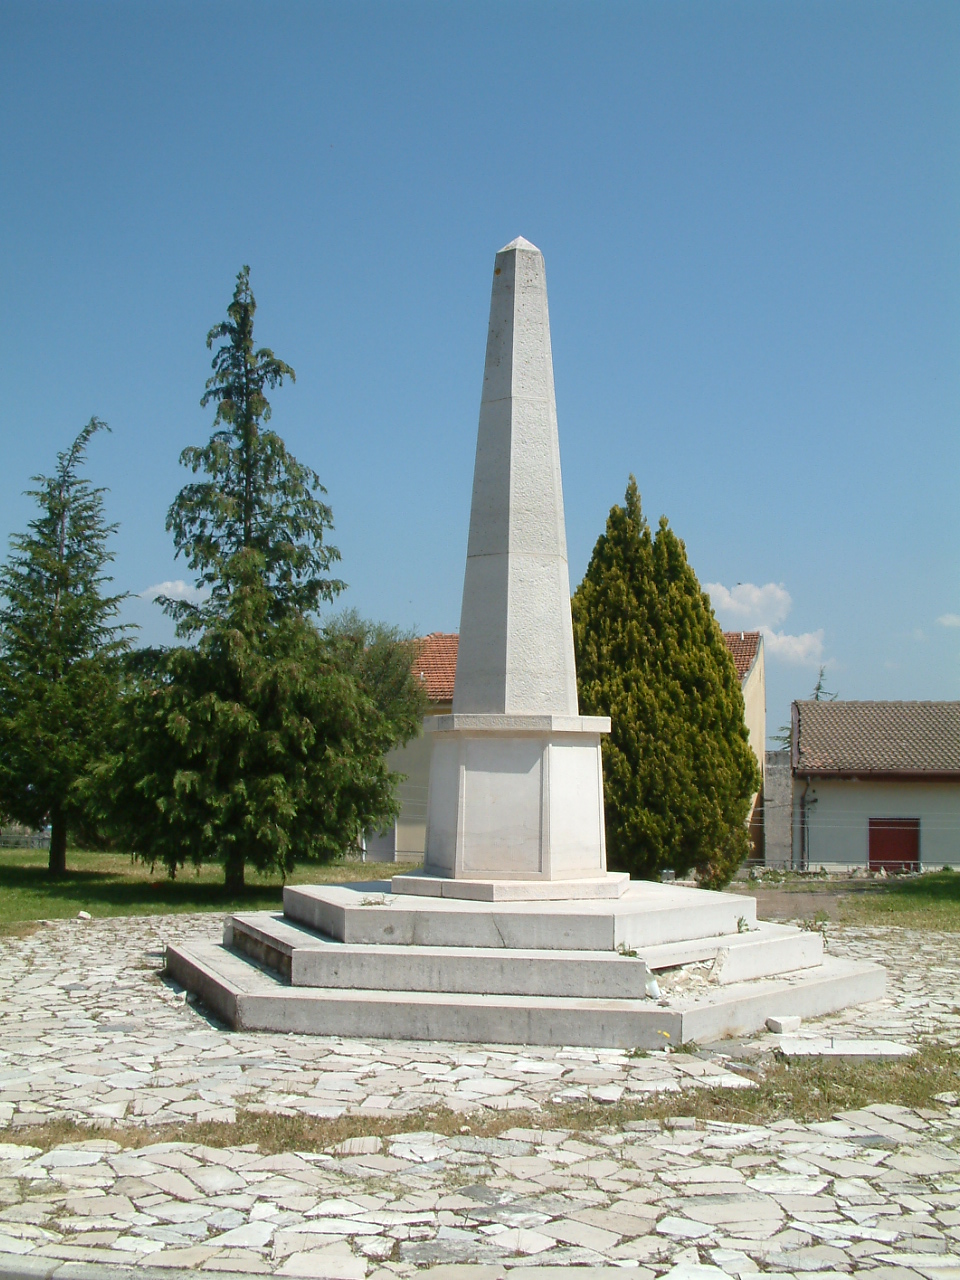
[877,737]
[436,664]
[744,646]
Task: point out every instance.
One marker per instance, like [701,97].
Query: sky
[749,215]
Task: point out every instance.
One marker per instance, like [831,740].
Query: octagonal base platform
[360,960]
[612,884]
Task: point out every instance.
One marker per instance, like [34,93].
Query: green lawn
[928,901]
[112,884]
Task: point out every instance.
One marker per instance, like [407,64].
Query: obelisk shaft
[516,637]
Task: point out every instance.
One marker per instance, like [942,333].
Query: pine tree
[678,769]
[263,744]
[256,496]
[59,651]
[258,747]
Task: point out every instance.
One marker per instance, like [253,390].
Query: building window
[895,844]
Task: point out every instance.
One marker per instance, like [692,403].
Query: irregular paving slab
[87,1024]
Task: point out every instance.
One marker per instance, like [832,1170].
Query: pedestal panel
[521,800]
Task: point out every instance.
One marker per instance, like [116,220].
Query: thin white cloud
[949,619]
[176,590]
[763,607]
[749,605]
[799,651]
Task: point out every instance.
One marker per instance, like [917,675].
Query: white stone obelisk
[516,637]
[515,806]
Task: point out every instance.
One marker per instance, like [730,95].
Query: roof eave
[879,775]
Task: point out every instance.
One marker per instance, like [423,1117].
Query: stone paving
[89,1031]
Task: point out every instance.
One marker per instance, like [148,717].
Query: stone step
[647,915]
[248,998]
[306,959]
[760,952]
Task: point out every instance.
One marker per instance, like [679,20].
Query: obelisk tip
[520,243]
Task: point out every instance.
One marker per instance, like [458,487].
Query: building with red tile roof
[745,647]
[435,663]
[875,784]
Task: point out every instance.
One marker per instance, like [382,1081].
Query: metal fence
[20,838]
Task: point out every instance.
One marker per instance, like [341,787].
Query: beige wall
[838,813]
[410,831]
[754,689]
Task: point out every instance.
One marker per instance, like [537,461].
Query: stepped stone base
[249,999]
[645,915]
[358,960]
[612,884]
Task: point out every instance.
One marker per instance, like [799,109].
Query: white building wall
[838,813]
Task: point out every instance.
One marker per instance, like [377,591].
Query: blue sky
[749,213]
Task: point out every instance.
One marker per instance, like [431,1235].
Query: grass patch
[928,901]
[18,928]
[114,884]
[270,1133]
[817,1089]
[804,1091]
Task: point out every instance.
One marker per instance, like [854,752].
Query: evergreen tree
[256,496]
[678,769]
[263,745]
[260,746]
[380,659]
[59,649]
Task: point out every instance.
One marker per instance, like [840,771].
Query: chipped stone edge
[20,1266]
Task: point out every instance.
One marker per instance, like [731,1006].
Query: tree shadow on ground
[110,891]
[113,885]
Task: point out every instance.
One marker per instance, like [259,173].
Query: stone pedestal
[516,799]
[358,960]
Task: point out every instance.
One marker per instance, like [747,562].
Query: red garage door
[895,844]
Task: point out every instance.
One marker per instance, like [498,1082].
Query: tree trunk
[233,874]
[58,844]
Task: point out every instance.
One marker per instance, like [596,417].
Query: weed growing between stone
[804,1091]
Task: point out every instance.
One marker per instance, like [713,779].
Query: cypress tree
[678,769]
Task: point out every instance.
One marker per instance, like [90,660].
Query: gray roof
[876,737]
